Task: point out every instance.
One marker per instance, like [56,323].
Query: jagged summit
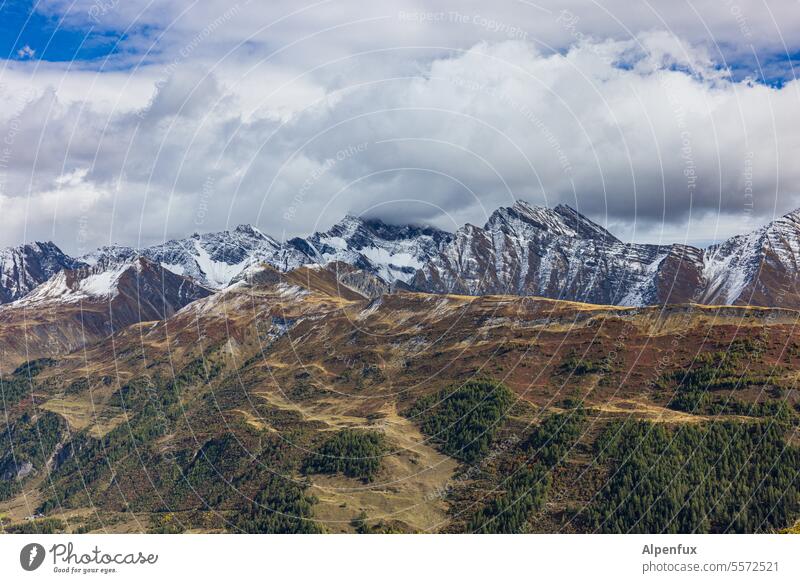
[246,229]
[393,252]
[350,224]
[561,221]
[213,259]
[24,267]
[760,267]
[583,226]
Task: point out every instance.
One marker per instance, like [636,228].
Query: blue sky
[21,26]
[773,69]
[34,30]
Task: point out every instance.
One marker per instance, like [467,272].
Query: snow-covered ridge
[98,282]
[134,290]
[522,249]
[560,254]
[24,267]
[389,251]
[213,259]
[760,267]
[67,286]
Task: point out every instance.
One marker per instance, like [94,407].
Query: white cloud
[631,124]
[341,27]
[26,52]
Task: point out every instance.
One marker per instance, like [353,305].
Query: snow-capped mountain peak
[109,254]
[760,267]
[560,221]
[536,217]
[213,259]
[24,267]
[557,253]
[393,252]
[75,285]
[583,226]
[139,289]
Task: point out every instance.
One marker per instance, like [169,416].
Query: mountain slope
[760,268]
[556,253]
[194,422]
[79,306]
[212,259]
[24,267]
[391,252]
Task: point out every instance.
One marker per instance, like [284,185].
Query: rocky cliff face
[557,253]
[759,268]
[391,252]
[24,267]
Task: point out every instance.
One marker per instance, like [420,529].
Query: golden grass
[254,421]
[333,414]
[794,529]
[83,414]
[406,490]
[656,413]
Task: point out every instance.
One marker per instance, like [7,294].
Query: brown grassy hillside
[207,420]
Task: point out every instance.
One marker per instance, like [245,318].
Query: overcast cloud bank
[222,114]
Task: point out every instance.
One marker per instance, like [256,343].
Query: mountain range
[289,402]
[384,378]
[521,250]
